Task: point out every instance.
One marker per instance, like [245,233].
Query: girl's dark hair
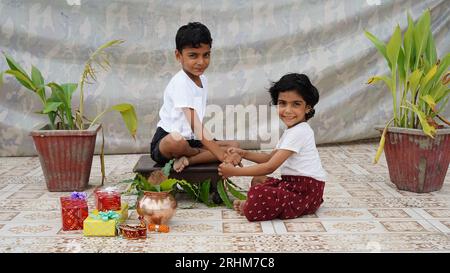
[299,83]
[192,35]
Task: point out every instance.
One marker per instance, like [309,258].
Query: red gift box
[107,199]
[73,211]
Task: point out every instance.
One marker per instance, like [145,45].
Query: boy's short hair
[192,35]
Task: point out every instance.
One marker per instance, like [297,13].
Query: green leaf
[387,80]
[379,45]
[235,192]
[128,115]
[167,167]
[36,77]
[68,89]
[426,127]
[14,65]
[430,51]
[232,183]
[408,45]
[223,195]
[189,188]
[429,100]
[429,75]
[51,107]
[382,141]
[167,185]
[401,66]
[22,79]
[204,191]
[414,80]
[41,93]
[421,32]
[393,47]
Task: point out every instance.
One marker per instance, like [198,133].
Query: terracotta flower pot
[66,157]
[415,161]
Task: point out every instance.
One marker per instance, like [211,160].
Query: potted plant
[66,144]
[416,145]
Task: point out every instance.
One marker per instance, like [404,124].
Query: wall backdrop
[254,43]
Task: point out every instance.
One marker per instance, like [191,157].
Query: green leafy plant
[57,98]
[418,80]
[157,182]
[199,192]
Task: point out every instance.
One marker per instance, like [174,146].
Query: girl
[300,189]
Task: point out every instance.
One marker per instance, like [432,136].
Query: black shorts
[156,154]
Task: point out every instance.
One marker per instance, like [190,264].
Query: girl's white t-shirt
[305,161]
[182,92]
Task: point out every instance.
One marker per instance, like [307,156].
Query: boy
[180,133]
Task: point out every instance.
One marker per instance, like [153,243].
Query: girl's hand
[234,159]
[226,170]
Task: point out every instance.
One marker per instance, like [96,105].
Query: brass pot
[156,207]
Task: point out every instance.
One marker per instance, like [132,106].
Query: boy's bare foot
[238,206]
[180,163]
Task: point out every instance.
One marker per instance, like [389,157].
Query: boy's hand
[234,159]
[233,150]
[226,170]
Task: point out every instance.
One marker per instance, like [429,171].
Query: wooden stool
[193,174]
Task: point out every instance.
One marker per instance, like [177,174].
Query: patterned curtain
[254,43]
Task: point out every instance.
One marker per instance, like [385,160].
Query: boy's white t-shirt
[305,161]
[182,92]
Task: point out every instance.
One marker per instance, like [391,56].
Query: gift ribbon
[106,215]
[78,195]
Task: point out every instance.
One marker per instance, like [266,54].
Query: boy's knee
[173,144]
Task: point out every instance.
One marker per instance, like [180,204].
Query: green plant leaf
[429,100]
[167,185]
[68,89]
[426,127]
[414,80]
[235,192]
[223,195]
[189,188]
[14,65]
[386,79]
[128,115]
[167,167]
[408,45]
[430,51]
[51,107]
[421,32]
[430,74]
[401,66]
[22,79]
[379,45]
[204,191]
[393,47]
[36,77]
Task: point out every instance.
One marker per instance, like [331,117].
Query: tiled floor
[362,212]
